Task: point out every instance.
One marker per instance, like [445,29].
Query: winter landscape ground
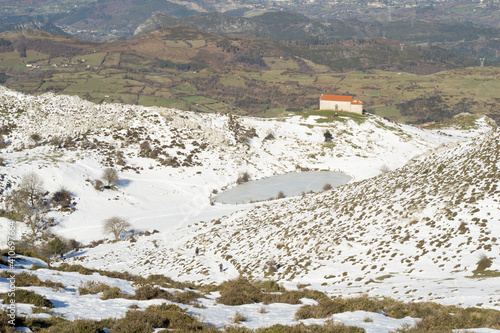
[422,209]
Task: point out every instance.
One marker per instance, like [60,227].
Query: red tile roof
[338,98]
[356,102]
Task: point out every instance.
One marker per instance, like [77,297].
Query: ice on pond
[291,184]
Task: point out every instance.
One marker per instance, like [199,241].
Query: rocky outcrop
[215,23]
[33,25]
[275,26]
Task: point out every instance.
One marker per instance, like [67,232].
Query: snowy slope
[190,155]
[413,233]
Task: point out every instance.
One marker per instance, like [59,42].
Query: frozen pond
[291,184]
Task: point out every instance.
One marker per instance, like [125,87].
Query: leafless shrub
[62,197]
[483,263]
[270,136]
[110,176]
[98,184]
[243,178]
[116,225]
[238,317]
[36,137]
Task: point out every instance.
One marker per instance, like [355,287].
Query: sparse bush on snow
[110,176]
[62,197]
[116,225]
[98,184]
[483,263]
[243,178]
[238,317]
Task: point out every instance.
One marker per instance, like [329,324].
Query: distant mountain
[33,25]
[465,38]
[107,20]
[215,23]
[273,25]
[101,20]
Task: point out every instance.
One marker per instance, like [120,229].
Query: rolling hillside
[192,70]
[420,214]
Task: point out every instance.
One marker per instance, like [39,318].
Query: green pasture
[94,84]
[93,59]
[197,43]
[371,92]
[387,111]
[276,63]
[199,100]
[317,68]
[175,43]
[272,113]
[117,98]
[113,59]
[52,85]
[157,79]
[284,85]
[25,86]
[59,60]
[233,81]
[165,102]
[184,88]
[9,62]
[33,56]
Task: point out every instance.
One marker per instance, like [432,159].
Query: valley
[191,70]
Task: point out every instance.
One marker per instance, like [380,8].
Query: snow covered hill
[171,161]
[420,211]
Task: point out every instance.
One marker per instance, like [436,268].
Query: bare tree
[110,176]
[32,186]
[26,203]
[116,225]
[36,221]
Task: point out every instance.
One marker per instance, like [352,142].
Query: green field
[285,83]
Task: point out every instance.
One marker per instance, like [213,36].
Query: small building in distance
[340,103]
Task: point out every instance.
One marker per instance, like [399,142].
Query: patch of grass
[328,327]
[463,121]
[434,317]
[79,325]
[149,292]
[383,277]
[25,279]
[238,318]
[166,316]
[484,274]
[4,323]
[28,297]
[238,292]
[289,297]
[39,309]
